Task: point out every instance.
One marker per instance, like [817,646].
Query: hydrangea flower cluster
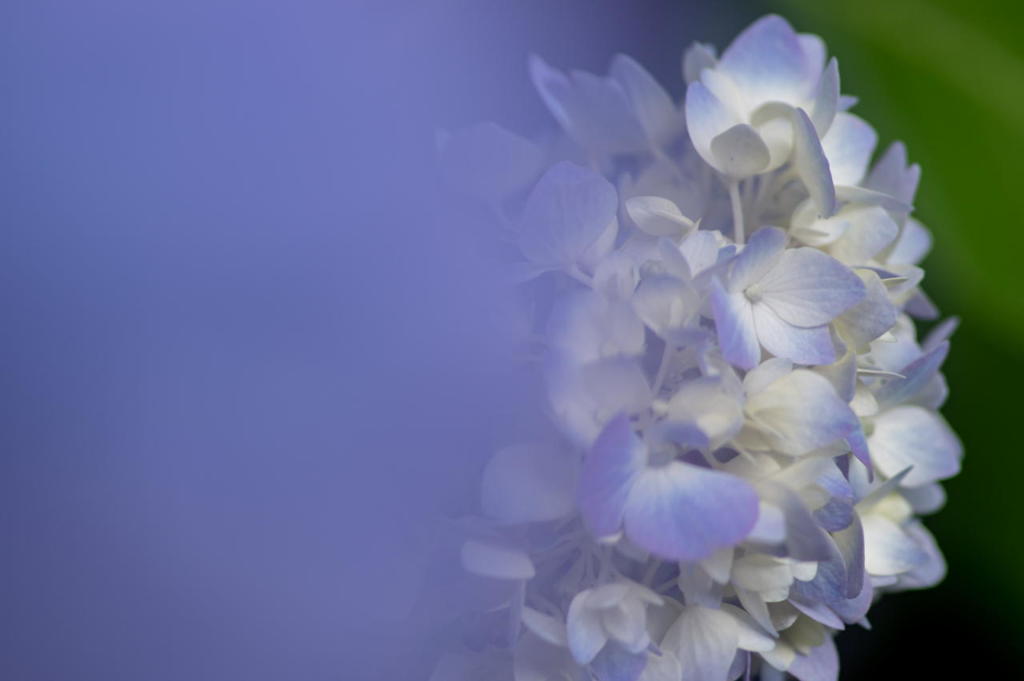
[746,427]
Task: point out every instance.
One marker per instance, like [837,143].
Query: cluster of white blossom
[747,423]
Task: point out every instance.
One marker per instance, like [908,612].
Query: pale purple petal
[499,561]
[609,473]
[734,323]
[871,317]
[916,376]
[891,175]
[809,288]
[800,345]
[913,436]
[767,61]
[762,252]
[615,663]
[871,230]
[684,512]
[805,540]
[933,570]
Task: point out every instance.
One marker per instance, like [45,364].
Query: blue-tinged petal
[888,549]
[615,663]
[800,345]
[933,570]
[871,317]
[700,250]
[594,111]
[545,627]
[760,255]
[529,483]
[925,499]
[651,105]
[488,161]
[706,118]
[734,324]
[820,664]
[698,57]
[491,559]
[739,152]
[704,641]
[848,147]
[826,100]
[913,436]
[585,326]
[768,62]
[805,540]
[916,376]
[850,542]
[812,165]
[610,471]
[808,288]
[814,50]
[568,211]
[819,612]
[684,512]
[853,610]
[584,630]
[892,176]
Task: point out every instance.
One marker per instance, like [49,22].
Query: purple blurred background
[242,357]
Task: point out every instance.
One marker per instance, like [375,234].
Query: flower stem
[737,211]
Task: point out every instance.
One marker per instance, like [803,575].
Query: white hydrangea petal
[933,570]
[585,632]
[528,483]
[546,627]
[683,512]
[768,63]
[809,288]
[913,436]
[803,411]
[826,101]
[913,244]
[801,345]
[740,152]
[871,230]
[812,165]
[848,146]
[658,216]
[704,641]
[888,550]
[666,304]
[891,175]
[569,209]
[706,118]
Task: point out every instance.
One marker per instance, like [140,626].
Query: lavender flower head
[744,423]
